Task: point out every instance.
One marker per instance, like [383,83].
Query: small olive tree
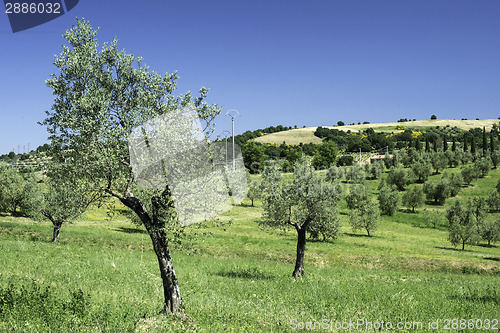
[484,165]
[365,216]
[490,230]
[18,191]
[422,170]
[254,190]
[357,196]
[413,198]
[465,221]
[398,177]
[388,199]
[439,161]
[308,202]
[62,199]
[469,173]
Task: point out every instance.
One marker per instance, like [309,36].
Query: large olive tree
[101,95]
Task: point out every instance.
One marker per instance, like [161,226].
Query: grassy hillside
[235,276]
[306,135]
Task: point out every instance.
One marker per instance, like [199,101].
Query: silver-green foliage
[18,192]
[307,201]
[413,198]
[365,217]
[101,94]
[388,199]
[465,220]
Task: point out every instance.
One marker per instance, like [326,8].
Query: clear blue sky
[280,62]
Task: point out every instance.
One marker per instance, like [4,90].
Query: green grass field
[306,135]
[236,277]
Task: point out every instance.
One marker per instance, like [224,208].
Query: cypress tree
[492,143]
[485,142]
[417,144]
[435,145]
[427,144]
[473,146]
[454,145]
[465,145]
[445,143]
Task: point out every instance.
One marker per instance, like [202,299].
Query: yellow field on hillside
[306,135]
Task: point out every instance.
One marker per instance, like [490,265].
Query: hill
[306,135]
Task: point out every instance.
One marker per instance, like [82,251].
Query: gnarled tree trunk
[158,235]
[301,247]
[57,226]
[57,230]
[171,291]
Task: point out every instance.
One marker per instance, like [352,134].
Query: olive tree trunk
[158,235]
[56,224]
[301,247]
[57,230]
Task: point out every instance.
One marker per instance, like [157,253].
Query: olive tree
[465,221]
[388,199]
[469,173]
[483,164]
[413,198]
[494,201]
[398,177]
[490,230]
[439,161]
[365,216]
[308,202]
[17,191]
[357,196]
[422,170]
[335,173]
[437,191]
[101,95]
[61,200]
[254,190]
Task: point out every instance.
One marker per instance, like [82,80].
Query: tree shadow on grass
[491,246]
[451,248]
[492,258]
[251,273]
[358,235]
[476,297]
[131,230]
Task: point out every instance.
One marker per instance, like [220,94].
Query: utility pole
[233,114]
[226,133]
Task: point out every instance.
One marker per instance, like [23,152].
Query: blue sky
[279,62]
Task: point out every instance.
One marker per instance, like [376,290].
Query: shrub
[345,160]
